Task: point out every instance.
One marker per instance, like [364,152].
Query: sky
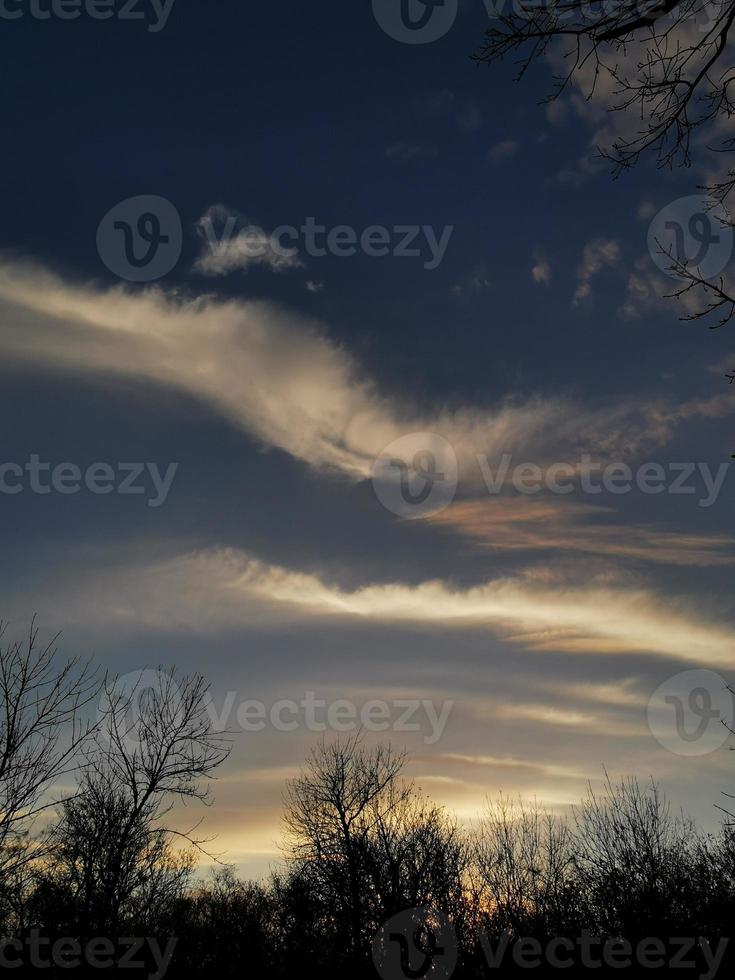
[296,455]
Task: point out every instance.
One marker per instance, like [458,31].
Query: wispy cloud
[541,271]
[598,255]
[282,379]
[225,589]
[474,283]
[513,764]
[558,525]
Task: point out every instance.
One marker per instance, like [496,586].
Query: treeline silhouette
[362,844]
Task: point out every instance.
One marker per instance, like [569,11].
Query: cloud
[621,693]
[474,283]
[601,87]
[597,255]
[541,271]
[648,288]
[280,378]
[514,764]
[227,250]
[518,524]
[503,150]
[557,111]
[221,589]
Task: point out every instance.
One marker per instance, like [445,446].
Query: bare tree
[665,67]
[154,746]
[524,861]
[667,62]
[331,811]
[369,843]
[42,729]
[415,855]
[228,923]
[634,858]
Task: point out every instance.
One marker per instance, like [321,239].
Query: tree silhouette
[42,730]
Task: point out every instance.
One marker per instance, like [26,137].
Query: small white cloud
[314,287]
[230,244]
[473,284]
[646,210]
[598,255]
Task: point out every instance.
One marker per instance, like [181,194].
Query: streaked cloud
[279,377]
[513,764]
[556,524]
[229,589]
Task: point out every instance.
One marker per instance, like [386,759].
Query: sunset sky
[272,566]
